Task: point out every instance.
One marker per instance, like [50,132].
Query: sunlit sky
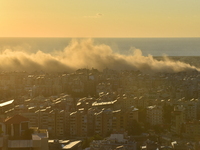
[102,18]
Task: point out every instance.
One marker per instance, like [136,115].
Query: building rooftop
[16,119]
[6,103]
[104,103]
[71,145]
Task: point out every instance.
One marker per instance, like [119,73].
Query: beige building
[155,115]
[119,121]
[57,123]
[78,123]
[122,118]
[103,122]
[191,110]
[178,119]
[192,128]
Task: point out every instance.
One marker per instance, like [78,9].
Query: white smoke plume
[86,54]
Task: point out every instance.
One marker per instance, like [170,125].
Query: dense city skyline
[93,75]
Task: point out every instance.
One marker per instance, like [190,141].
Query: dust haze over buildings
[88,102]
[82,53]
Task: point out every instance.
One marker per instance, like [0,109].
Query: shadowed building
[17,135]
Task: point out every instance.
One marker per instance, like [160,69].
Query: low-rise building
[17,135]
[115,141]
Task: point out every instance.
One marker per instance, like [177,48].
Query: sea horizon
[163,46]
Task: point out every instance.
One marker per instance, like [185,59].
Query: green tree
[97,137]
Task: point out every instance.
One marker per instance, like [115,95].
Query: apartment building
[57,123]
[190,109]
[103,87]
[103,122]
[154,115]
[178,119]
[119,121]
[192,129]
[125,101]
[78,123]
[44,118]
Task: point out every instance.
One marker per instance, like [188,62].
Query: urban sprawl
[100,110]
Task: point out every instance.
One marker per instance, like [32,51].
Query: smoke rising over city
[86,54]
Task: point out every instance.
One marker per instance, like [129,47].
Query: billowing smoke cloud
[86,54]
[21,61]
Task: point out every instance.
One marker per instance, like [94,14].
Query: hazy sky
[102,18]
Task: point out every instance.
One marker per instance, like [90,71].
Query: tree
[158,129]
[86,143]
[97,137]
[134,128]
